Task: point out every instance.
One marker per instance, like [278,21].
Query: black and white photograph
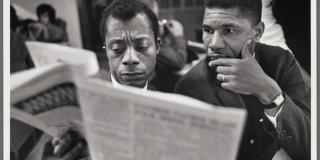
[159,80]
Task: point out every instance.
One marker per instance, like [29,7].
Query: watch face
[278,101]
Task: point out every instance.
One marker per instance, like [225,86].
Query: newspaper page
[129,124]
[46,98]
[43,53]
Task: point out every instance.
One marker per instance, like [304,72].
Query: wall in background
[65,9]
[188,12]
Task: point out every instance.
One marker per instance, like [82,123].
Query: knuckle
[219,69]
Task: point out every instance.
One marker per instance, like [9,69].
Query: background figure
[19,56]
[49,28]
[173,55]
[273,33]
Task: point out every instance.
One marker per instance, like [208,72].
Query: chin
[138,84]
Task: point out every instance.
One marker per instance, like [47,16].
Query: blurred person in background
[274,34]
[173,54]
[20,58]
[49,28]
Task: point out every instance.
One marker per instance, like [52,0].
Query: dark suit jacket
[260,139]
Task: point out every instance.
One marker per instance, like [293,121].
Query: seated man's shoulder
[271,52]
[196,74]
[272,55]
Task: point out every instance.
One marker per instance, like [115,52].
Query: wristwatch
[276,102]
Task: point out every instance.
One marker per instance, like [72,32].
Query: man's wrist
[274,106]
[267,95]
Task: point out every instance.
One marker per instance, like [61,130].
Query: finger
[64,144]
[223,62]
[245,51]
[226,85]
[75,152]
[225,70]
[224,78]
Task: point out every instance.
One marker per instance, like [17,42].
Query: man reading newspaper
[265,80]
[130,30]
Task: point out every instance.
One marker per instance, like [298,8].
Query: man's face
[225,32]
[131,49]
[44,18]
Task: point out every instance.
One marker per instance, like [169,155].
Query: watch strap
[276,102]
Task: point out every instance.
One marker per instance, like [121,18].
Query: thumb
[247,49]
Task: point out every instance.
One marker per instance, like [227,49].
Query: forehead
[220,16]
[138,25]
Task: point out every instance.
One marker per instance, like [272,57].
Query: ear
[258,30]
[158,42]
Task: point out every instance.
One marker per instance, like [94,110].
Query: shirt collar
[118,85]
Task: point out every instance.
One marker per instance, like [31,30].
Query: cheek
[149,58]
[235,48]
[113,62]
[206,40]
[235,44]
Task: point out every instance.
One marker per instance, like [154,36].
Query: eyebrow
[116,40]
[228,25]
[224,25]
[141,37]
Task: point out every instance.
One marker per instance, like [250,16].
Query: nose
[216,41]
[130,57]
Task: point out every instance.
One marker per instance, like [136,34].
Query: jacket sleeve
[293,123]
[173,55]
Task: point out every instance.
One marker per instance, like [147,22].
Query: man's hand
[174,27]
[70,147]
[245,76]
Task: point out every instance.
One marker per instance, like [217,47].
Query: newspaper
[124,123]
[43,53]
[45,98]
[129,124]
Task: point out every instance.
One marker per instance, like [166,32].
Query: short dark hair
[46,8]
[125,10]
[248,8]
